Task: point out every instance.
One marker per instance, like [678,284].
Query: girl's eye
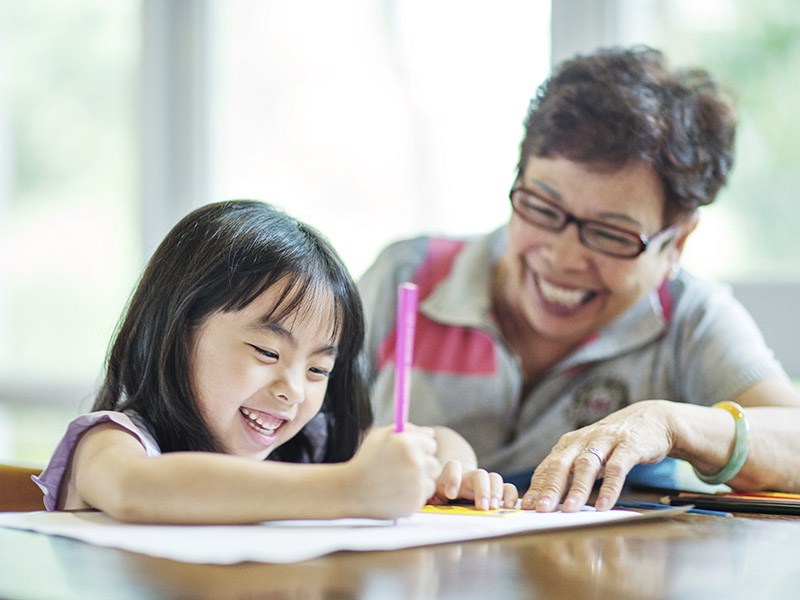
[320,371]
[265,353]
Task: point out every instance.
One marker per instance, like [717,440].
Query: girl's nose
[288,386]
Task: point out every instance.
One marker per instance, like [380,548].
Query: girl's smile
[261,425]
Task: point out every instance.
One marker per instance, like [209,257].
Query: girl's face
[557,287]
[257,383]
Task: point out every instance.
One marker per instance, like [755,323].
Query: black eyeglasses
[602,237]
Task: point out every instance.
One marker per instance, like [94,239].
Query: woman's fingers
[549,482]
[639,433]
[586,469]
[615,472]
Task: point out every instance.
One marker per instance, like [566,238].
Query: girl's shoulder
[50,479]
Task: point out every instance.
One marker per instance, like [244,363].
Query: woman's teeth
[563,296]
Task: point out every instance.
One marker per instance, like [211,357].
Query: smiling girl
[242,343]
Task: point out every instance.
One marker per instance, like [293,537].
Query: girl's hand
[486,489]
[394,473]
[642,433]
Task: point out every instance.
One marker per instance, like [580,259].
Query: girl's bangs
[303,297]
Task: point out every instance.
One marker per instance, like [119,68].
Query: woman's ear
[685,229]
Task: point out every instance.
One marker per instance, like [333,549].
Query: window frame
[175,134]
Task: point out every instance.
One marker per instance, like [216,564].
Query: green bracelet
[740,449]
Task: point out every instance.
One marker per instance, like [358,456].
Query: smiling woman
[554,334]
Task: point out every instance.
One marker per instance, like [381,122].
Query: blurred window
[375,120]
[69,227]
[750,233]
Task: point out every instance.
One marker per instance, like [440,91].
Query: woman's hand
[486,489]
[641,433]
[394,473]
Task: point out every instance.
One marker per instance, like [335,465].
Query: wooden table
[684,557]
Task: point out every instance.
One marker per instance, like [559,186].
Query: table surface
[687,556]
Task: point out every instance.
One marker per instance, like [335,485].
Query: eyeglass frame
[643,240]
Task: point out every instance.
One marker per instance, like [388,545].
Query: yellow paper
[459,509]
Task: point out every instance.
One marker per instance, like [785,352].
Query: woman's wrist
[741,446]
[700,435]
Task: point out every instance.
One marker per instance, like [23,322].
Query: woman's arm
[772,409]
[392,475]
[648,431]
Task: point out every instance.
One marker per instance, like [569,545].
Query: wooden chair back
[17,491]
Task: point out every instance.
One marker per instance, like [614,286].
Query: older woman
[569,340]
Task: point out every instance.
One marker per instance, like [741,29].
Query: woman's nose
[565,248]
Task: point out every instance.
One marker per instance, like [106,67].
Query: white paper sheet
[290,541]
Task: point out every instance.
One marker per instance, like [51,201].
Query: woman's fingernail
[569,504]
[495,502]
[544,503]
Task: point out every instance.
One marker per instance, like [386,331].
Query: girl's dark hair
[221,257]
[620,104]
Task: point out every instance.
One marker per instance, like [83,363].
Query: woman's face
[257,382]
[551,281]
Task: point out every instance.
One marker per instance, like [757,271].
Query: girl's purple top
[50,479]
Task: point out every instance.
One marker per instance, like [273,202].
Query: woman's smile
[559,297]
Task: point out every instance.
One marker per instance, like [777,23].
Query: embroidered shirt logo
[598,398]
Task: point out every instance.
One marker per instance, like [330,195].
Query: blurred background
[370,119]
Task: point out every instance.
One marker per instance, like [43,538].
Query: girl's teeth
[258,423]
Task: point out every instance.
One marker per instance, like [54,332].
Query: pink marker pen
[404,351]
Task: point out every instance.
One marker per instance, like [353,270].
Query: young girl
[242,343]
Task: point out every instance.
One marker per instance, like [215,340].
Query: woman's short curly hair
[620,104]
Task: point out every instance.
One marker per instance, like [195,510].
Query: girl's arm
[452,446]
[391,476]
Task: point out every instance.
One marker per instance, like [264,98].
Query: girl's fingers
[496,490]
[481,489]
[449,482]
[510,495]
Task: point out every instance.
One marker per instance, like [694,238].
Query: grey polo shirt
[689,341]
